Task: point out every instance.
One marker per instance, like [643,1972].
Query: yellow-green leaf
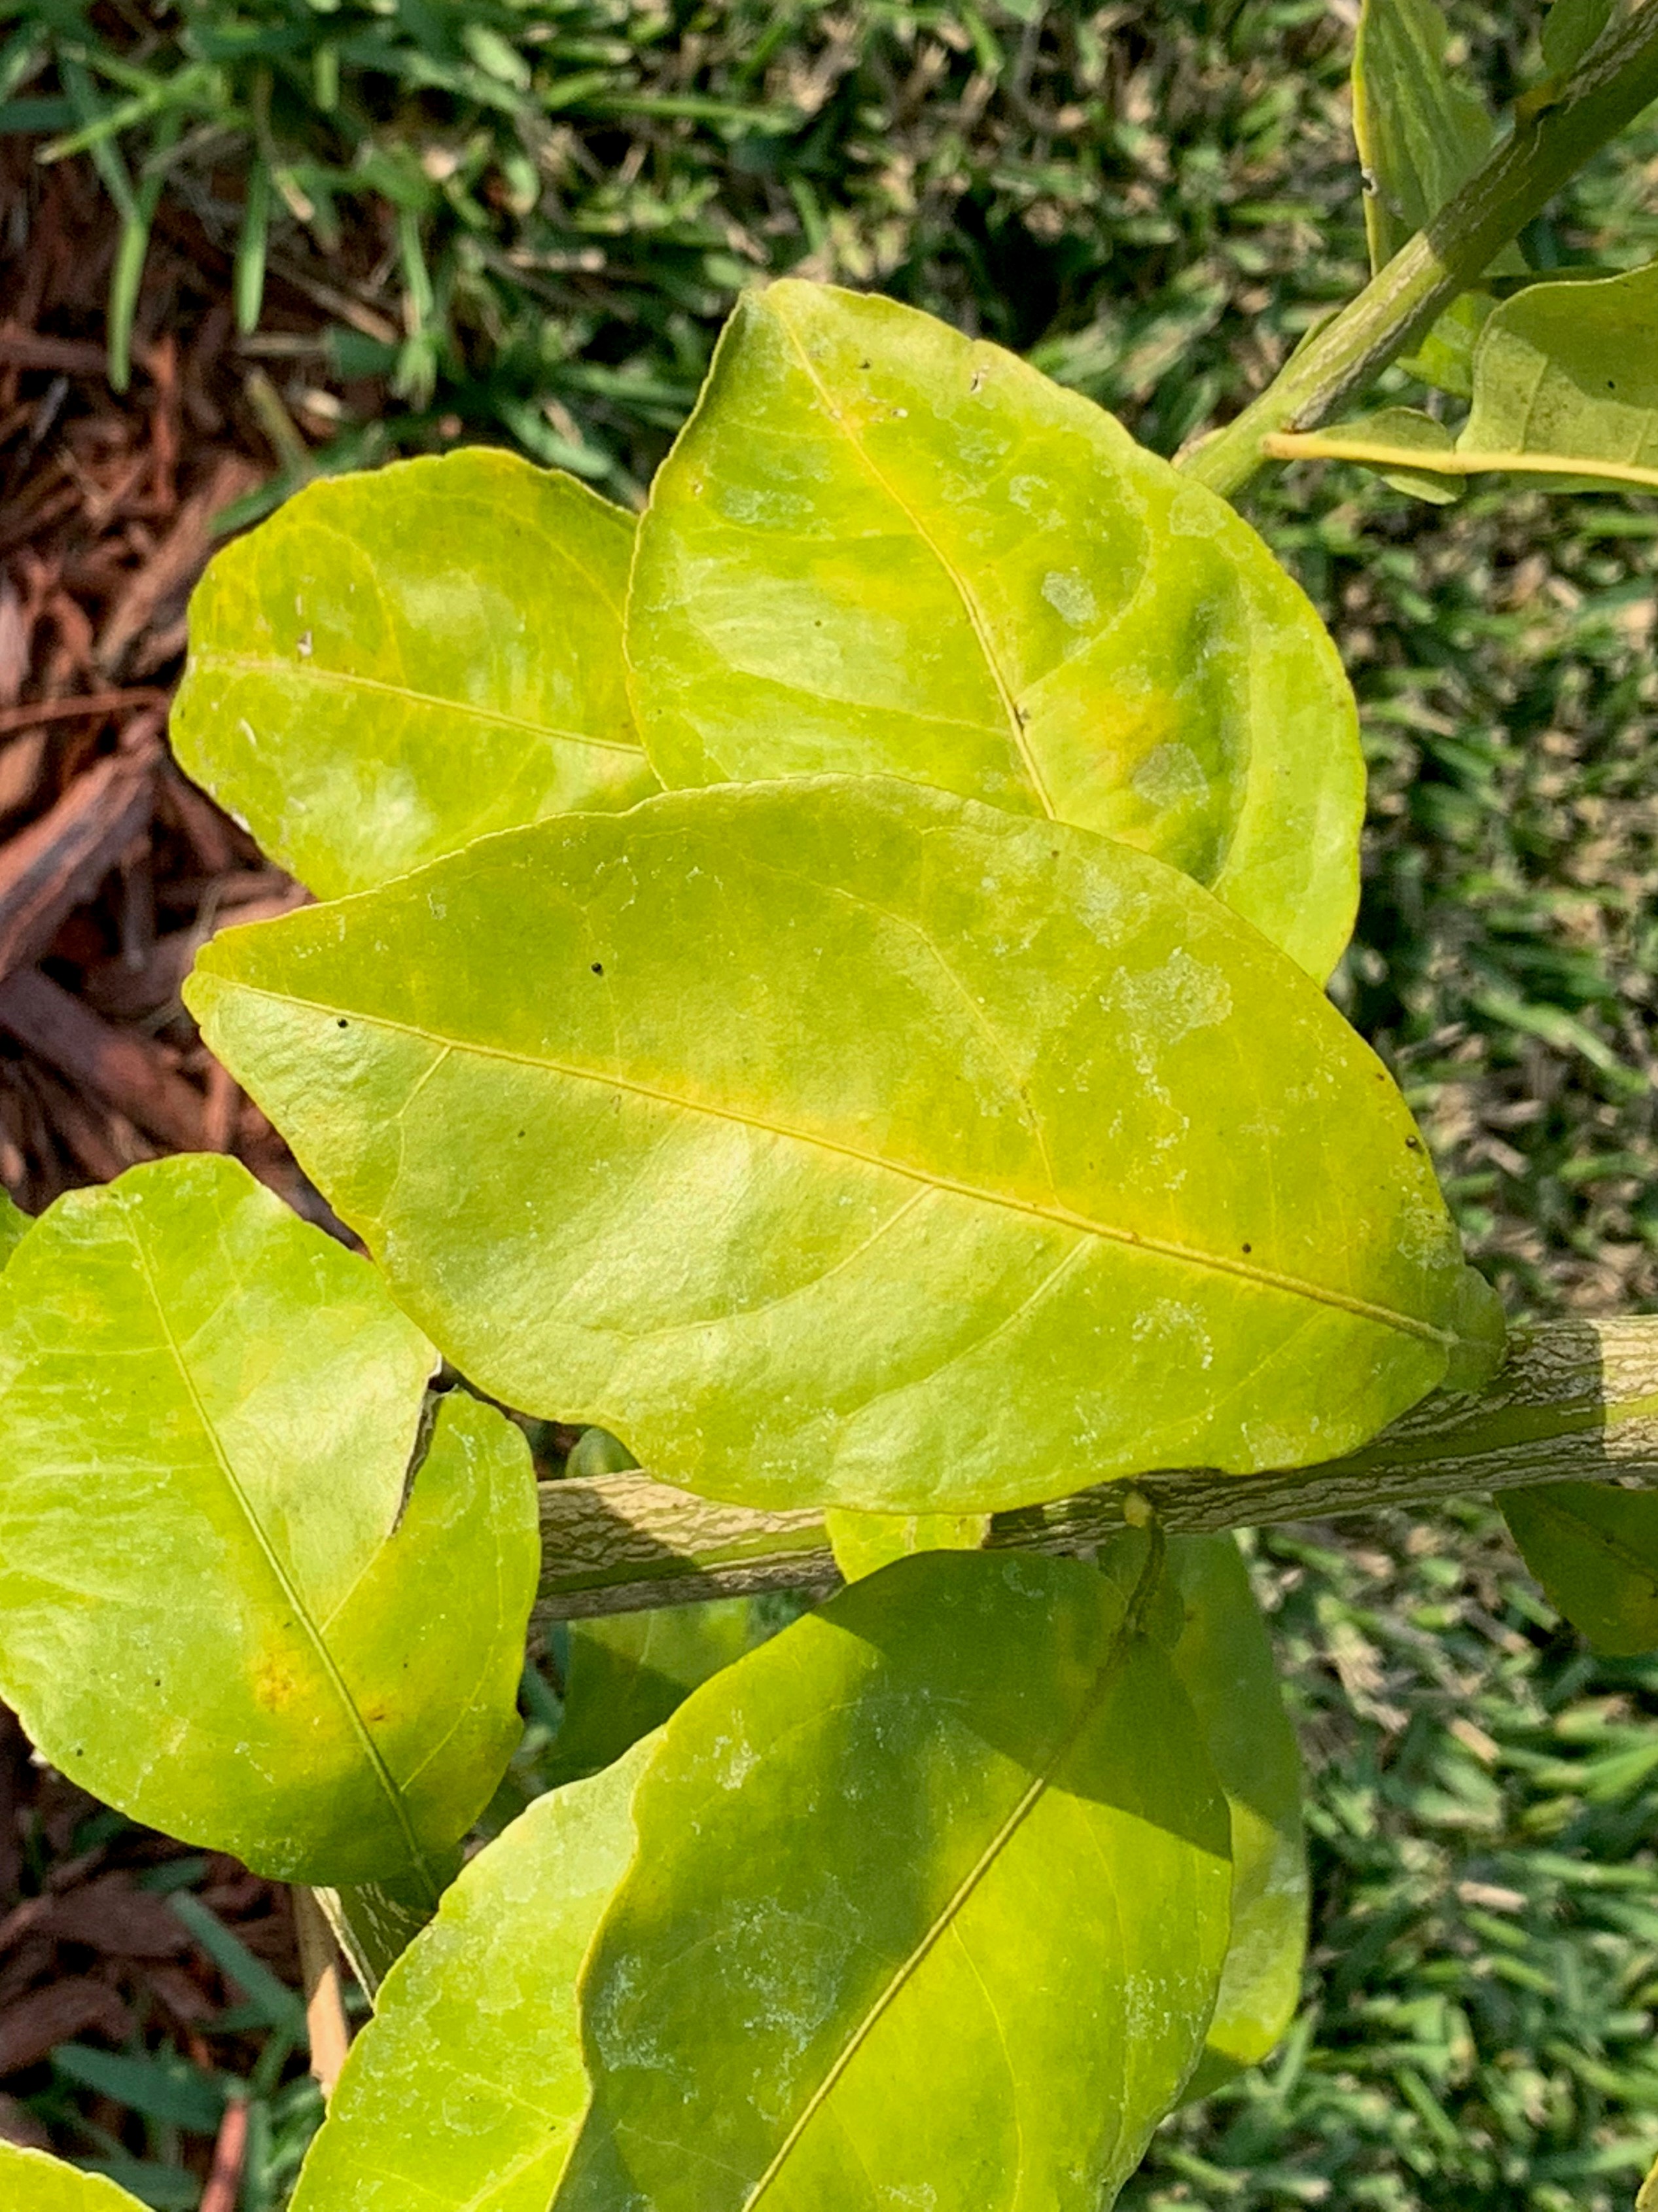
[217,1611]
[929,1906]
[880,547]
[464,2092]
[34,2181]
[15,1226]
[627,1673]
[1223,1660]
[1570,371]
[843,1141]
[864,1542]
[397,663]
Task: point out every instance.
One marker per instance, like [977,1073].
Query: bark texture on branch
[1577,1402]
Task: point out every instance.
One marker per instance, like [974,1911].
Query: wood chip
[34,350]
[50,868]
[177,562]
[126,1069]
[35,2025]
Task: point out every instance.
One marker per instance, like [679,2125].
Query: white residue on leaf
[1068,594]
[738,1759]
[1161,1005]
[1168,773]
[1177,1328]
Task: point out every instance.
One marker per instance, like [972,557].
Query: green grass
[1477,2032]
[543,210]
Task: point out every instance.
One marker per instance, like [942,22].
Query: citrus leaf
[1223,1660]
[865,1542]
[1570,28]
[1421,132]
[1565,398]
[844,1142]
[880,547]
[1570,370]
[1594,1549]
[946,1843]
[397,663]
[464,2092]
[1403,430]
[628,1673]
[200,1392]
[34,2181]
[15,1226]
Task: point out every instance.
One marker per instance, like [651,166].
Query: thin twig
[325,2005]
[224,2180]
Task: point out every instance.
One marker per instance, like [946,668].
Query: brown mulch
[113,869]
[88,1955]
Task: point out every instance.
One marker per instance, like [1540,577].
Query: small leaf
[865,1542]
[15,1226]
[1570,28]
[200,1393]
[941,1846]
[879,547]
[1565,398]
[34,2181]
[1404,429]
[1421,132]
[1223,1660]
[628,1673]
[1570,370]
[397,663]
[1594,1549]
[842,1142]
[467,2087]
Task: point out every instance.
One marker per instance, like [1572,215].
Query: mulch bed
[113,869]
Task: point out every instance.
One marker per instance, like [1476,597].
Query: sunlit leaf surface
[881,547]
[930,1906]
[846,1142]
[397,663]
[216,1610]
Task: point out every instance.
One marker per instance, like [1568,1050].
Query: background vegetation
[523,220]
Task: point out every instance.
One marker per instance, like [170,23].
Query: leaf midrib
[279,1573]
[1110,1666]
[1061,1215]
[963,590]
[255,664]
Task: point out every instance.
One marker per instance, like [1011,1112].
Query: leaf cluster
[827,983]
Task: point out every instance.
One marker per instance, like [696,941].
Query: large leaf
[881,547]
[216,1610]
[929,1907]
[628,1673]
[464,2092]
[846,1142]
[1594,1549]
[398,662]
[1224,1659]
[34,2181]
